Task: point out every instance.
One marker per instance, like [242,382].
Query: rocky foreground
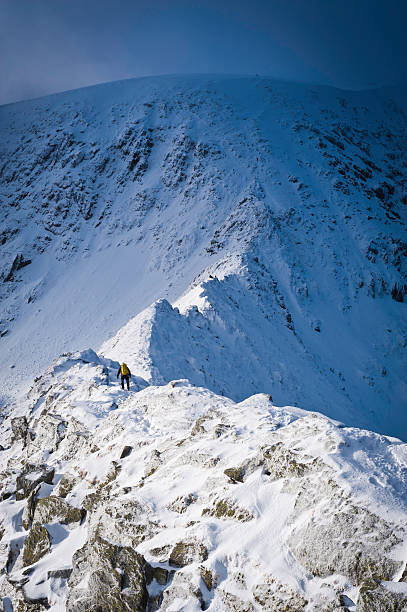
[173,498]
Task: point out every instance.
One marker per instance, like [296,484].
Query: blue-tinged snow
[277,209]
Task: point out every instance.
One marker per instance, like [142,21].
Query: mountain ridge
[124,193]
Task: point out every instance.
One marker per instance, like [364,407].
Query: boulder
[55,509]
[66,484]
[19,427]
[29,508]
[126,452]
[235,474]
[36,545]
[351,541]
[228,509]
[382,597]
[277,597]
[107,576]
[32,476]
[181,591]
[185,553]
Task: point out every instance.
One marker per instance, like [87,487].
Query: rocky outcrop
[19,427]
[185,553]
[275,597]
[32,476]
[200,520]
[29,508]
[107,577]
[36,545]
[183,588]
[56,509]
[228,509]
[352,542]
[377,596]
[66,484]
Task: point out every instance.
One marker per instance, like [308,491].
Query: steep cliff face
[277,209]
[173,498]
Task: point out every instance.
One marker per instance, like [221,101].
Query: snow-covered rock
[174,498]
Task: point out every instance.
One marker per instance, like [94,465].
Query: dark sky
[54,45]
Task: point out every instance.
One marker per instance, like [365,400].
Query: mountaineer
[125,375]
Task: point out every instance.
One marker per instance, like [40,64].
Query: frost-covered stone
[29,508]
[352,542]
[183,593]
[107,577]
[233,603]
[19,427]
[66,484]
[36,545]
[281,462]
[382,597]
[275,597]
[185,553]
[180,504]
[228,509]
[55,509]
[295,500]
[32,476]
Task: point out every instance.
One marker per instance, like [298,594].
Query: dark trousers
[126,377]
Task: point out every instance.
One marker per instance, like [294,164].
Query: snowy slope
[174,498]
[277,209]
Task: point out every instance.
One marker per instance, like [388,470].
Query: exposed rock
[93,500]
[36,545]
[185,553]
[235,474]
[381,597]
[114,579]
[207,577]
[162,552]
[29,605]
[56,509]
[50,429]
[10,552]
[126,452]
[66,484]
[19,427]
[160,574]
[280,462]
[32,476]
[60,573]
[154,463]
[29,508]
[181,503]
[125,520]
[227,508]
[234,603]
[25,606]
[276,597]
[198,427]
[183,588]
[18,263]
[352,543]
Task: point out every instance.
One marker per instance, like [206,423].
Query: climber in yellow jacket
[125,375]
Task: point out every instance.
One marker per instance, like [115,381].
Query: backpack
[124,369]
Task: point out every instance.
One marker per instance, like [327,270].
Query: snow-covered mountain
[240,243]
[271,216]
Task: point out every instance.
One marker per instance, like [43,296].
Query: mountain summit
[243,233]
